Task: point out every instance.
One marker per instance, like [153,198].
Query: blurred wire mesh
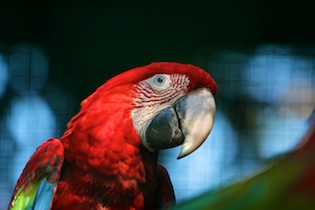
[266,96]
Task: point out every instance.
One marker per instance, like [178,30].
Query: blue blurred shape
[28,68]
[279,133]
[271,71]
[3,75]
[284,81]
[30,122]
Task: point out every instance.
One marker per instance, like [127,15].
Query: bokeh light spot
[3,75]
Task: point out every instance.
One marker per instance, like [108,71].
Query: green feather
[24,198]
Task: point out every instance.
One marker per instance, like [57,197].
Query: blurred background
[53,54]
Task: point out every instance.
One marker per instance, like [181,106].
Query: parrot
[107,156]
[288,184]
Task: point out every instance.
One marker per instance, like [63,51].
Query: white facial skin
[155,94]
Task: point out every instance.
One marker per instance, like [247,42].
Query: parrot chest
[89,190]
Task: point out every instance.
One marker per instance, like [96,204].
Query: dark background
[88,42]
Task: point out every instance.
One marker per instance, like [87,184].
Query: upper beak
[188,122]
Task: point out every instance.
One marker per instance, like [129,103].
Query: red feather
[44,164]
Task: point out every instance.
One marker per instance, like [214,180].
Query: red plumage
[47,161]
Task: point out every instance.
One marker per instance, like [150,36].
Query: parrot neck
[149,160]
[133,181]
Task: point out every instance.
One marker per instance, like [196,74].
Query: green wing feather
[36,186]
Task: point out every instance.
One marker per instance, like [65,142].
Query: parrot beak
[188,122]
[196,113]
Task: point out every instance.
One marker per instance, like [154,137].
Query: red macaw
[107,158]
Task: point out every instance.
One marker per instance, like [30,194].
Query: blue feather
[44,196]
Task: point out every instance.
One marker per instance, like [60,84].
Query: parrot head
[173,105]
[167,104]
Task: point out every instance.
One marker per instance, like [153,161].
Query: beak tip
[184,151]
[181,156]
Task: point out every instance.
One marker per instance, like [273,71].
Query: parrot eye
[160,81]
